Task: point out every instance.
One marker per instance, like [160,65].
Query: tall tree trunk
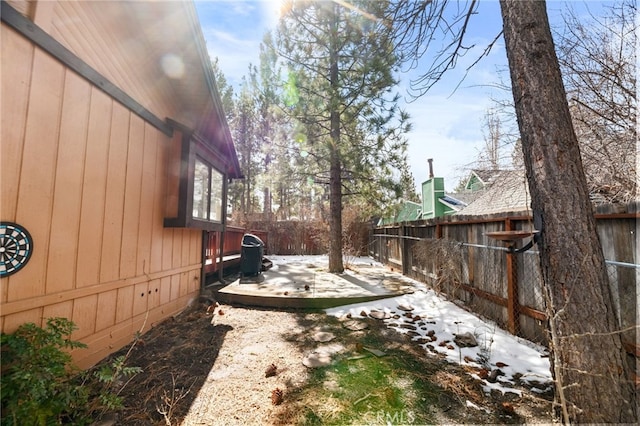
[588,360]
[335,213]
[335,172]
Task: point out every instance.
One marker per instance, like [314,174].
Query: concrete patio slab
[302,284]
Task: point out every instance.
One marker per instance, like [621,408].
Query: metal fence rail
[494,282]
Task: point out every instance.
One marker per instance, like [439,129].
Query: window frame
[194,147]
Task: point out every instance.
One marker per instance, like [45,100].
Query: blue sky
[447,124]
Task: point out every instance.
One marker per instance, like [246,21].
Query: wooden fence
[456,257]
[295,237]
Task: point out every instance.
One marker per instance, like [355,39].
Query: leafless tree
[597,56]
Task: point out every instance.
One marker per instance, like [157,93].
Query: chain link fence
[494,282]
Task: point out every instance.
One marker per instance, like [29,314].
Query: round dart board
[16,247]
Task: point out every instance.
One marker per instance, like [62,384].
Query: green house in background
[408,212]
[480,178]
[435,202]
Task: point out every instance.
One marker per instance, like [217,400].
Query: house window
[197,174]
[207,192]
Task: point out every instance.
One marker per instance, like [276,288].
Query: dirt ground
[208,368]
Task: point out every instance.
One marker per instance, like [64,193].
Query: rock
[355,325]
[379,315]
[317,359]
[322,355]
[493,376]
[405,307]
[408,326]
[323,336]
[465,340]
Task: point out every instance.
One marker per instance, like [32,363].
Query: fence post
[513,305]
[405,250]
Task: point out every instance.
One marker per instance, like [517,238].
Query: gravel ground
[236,391]
[207,367]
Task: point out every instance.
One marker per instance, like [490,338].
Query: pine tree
[341,62]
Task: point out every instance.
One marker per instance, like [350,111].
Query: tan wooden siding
[158,206]
[87,178]
[114,196]
[113,44]
[145,217]
[67,191]
[93,190]
[37,171]
[16,82]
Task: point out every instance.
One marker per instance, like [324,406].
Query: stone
[315,359]
[465,340]
[323,336]
[405,307]
[379,315]
[408,326]
[355,325]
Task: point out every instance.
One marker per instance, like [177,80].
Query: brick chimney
[430,160]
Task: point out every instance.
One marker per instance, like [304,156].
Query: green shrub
[38,386]
[109,384]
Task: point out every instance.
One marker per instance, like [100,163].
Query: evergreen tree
[243,128]
[341,62]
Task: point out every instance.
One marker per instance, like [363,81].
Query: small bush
[37,384]
[40,385]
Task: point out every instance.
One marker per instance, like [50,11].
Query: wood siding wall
[87,178]
[118,53]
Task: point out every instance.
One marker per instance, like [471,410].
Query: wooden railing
[231,248]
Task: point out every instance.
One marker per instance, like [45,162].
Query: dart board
[16,247]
